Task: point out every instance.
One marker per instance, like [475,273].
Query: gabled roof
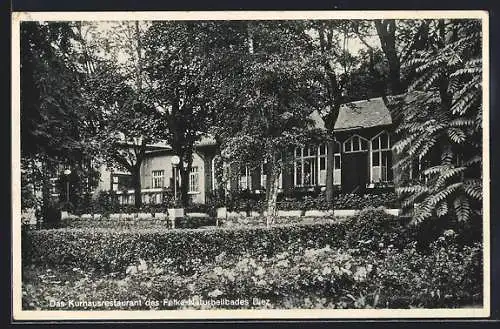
[363,114]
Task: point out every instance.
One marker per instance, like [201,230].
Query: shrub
[194,222]
[448,276]
[374,229]
[51,215]
[113,250]
[306,277]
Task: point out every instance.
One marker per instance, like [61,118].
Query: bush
[113,250]
[374,229]
[448,276]
[51,215]
[307,277]
[194,222]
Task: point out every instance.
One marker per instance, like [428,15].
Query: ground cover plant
[323,264]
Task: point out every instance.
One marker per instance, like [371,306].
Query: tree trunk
[329,171]
[136,182]
[272,191]
[386,30]
[184,172]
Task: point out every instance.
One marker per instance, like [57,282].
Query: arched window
[381,158]
[355,144]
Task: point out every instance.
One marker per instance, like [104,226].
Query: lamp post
[175,161]
[67,172]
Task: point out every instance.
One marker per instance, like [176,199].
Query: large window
[381,161]
[53,186]
[158,179]
[306,167]
[245,178]
[263,176]
[194,180]
[121,182]
[310,165]
[322,155]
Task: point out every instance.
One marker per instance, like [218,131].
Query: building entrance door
[354,172]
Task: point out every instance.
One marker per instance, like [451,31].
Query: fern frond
[462,208]
[442,209]
[474,189]
[456,135]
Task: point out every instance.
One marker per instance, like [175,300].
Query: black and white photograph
[250,165]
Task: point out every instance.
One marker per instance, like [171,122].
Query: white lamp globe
[67,172]
[175,160]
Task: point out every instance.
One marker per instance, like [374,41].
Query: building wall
[162,161]
[104,179]
[351,165]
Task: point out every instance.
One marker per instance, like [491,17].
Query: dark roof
[363,114]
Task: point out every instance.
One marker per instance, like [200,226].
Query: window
[194,180]
[263,177]
[337,167]
[381,158]
[114,180]
[245,178]
[322,156]
[322,151]
[355,144]
[306,166]
[121,182]
[53,186]
[158,178]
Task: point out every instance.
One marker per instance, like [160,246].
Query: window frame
[194,173]
[156,178]
[360,144]
[380,152]
[302,159]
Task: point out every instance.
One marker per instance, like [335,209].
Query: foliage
[179,63]
[55,118]
[111,250]
[440,129]
[301,274]
[267,90]
[311,200]
[373,229]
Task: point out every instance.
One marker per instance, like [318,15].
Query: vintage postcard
[250,165]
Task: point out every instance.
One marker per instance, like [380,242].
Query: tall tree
[269,89]
[441,129]
[386,30]
[53,110]
[179,69]
[115,90]
[335,65]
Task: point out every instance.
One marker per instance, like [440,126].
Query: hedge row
[250,202]
[112,250]
[341,201]
[133,223]
[340,277]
